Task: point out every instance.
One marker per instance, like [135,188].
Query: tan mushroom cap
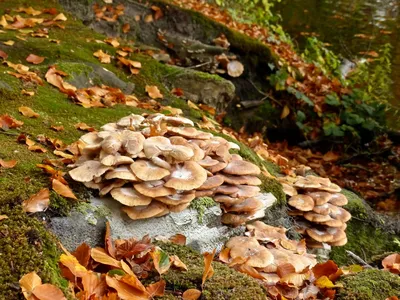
[187,176]
[320,180]
[244,179]
[234,220]
[240,240]
[227,189]
[333,188]
[322,209]
[218,167]
[189,132]
[235,68]
[111,144]
[337,233]
[241,167]
[180,153]
[179,207]
[110,127]
[116,160]
[266,232]
[313,244]
[131,120]
[227,200]
[289,190]
[121,172]
[246,191]
[333,223]
[155,146]
[93,185]
[301,202]
[177,199]
[236,156]
[314,217]
[339,243]
[91,138]
[319,197]
[205,193]
[207,162]
[199,153]
[132,142]
[161,163]
[338,199]
[153,189]
[303,183]
[108,186]
[146,211]
[88,171]
[129,196]
[319,235]
[212,182]
[258,256]
[339,213]
[247,206]
[295,213]
[147,171]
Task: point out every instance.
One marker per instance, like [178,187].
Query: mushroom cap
[339,243]
[156,145]
[131,120]
[147,171]
[178,121]
[338,199]
[218,167]
[314,217]
[301,202]
[212,182]
[266,232]
[199,153]
[227,189]
[179,207]
[110,127]
[333,223]
[161,163]
[241,167]
[207,162]
[240,240]
[93,185]
[321,236]
[88,171]
[187,176]
[322,209]
[205,193]
[244,179]
[246,191]
[235,68]
[178,198]
[313,244]
[129,196]
[317,179]
[289,190]
[227,200]
[319,197]
[146,211]
[189,132]
[303,183]
[121,172]
[111,144]
[234,220]
[247,206]
[337,233]
[333,188]
[258,256]
[153,189]
[91,138]
[108,186]
[116,160]
[132,142]
[180,152]
[339,213]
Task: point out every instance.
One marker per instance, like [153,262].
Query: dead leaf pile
[7,122]
[23,73]
[392,263]
[108,13]
[33,288]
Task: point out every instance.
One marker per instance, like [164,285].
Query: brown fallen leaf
[3,217]
[156,289]
[160,260]
[99,255]
[177,263]
[158,13]
[8,164]
[27,93]
[38,202]
[7,122]
[62,189]
[73,265]
[9,43]
[28,112]
[285,112]
[3,55]
[84,127]
[28,283]
[57,128]
[178,239]
[60,17]
[153,92]
[102,56]
[48,291]
[34,59]
[125,291]
[208,269]
[191,294]
[148,18]
[29,11]
[113,42]
[126,27]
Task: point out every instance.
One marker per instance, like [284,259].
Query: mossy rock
[370,284]
[226,283]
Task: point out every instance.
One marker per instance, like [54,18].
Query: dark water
[338,22]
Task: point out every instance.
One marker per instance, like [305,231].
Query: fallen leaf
[3,217]
[28,283]
[34,59]
[113,42]
[191,294]
[27,93]
[125,28]
[99,255]
[133,281]
[325,269]
[148,18]
[103,57]
[84,127]
[7,122]
[38,202]
[57,128]
[224,255]
[208,269]
[176,262]
[153,92]
[160,260]
[28,112]
[156,289]
[8,164]
[62,189]
[330,156]
[3,55]
[73,265]
[324,283]
[177,92]
[192,105]
[158,13]
[285,112]
[82,254]
[29,11]
[125,291]
[178,239]
[392,263]
[48,292]
[9,43]
[60,17]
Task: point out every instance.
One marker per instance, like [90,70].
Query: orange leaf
[176,262]
[224,255]
[156,289]
[392,263]
[73,265]
[34,59]
[249,271]
[178,239]
[158,13]
[160,260]
[191,294]
[103,57]
[324,283]
[325,269]
[125,28]
[28,283]
[57,128]
[208,269]
[48,292]
[62,189]
[7,122]
[94,284]
[125,291]
[8,164]
[84,127]
[38,202]
[133,281]
[82,254]
[3,217]
[153,92]
[99,255]
[109,245]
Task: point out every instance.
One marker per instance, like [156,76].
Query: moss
[365,241]
[356,205]
[271,185]
[201,204]
[370,284]
[226,283]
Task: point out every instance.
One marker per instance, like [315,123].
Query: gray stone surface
[87,224]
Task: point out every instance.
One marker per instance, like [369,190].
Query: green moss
[201,204]
[225,283]
[370,284]
[365,241]
[271,185]
[356,205]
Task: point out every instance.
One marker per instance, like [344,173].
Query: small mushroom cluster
[158,164]
[316,204]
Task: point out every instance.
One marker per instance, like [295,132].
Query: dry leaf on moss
[3,217]
[125,291]
[178,239]
[208,269]
[38,202]
[125,28]
[9,43]
[28,283]
[34,59]
[62,189]
[28,112]
[153,92]
[113,42]
[191,294]
[103,57]
[84,127]
[57,128]
[60,17]
[160,260]
[8,164]
[7,122]
[48,292]
[156,289]
[177,263]
[27,93]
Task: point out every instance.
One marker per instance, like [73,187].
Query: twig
[358,259]
[9,133]
[265,94]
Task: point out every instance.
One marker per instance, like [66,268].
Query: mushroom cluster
[157,164]
[316,204]
[273,257]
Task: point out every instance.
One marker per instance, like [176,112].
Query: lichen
[201,204]
[370,284]
[226,283]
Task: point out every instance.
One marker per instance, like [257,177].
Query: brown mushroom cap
[322,209]
[205,193]
[207,162]
[108,186]
[313,244]
[187,176]
[111,144]
[319,235]
[266,232]
[91,138]
[247,206]
[159,162]
[301,202]
[240,240]
[338,199]
[212,182]
[314,217]
[295,213]
[180,153]
[153,189]
[145,211]
[258,256]
[131,120]
[333,223]
[227,200]
[241,167]
[116,160]
[303,183]
[132,142]
[177,199]
[339,213]
[333,188]
[189,132]
[337,233]
[234,220]
[121,172]
[156,145]
[227,189]
[129,197]
[244,179]
[218,167]
[320,180]
[235,68]
[320,198]
[88,171]
[179,207]
[246,191]
[289,190]
[147,171]
[339,243]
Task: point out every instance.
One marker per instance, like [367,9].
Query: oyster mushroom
[88,171]
[129,197]
[153,189]
[155,209]
[186,176]
[147,171]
